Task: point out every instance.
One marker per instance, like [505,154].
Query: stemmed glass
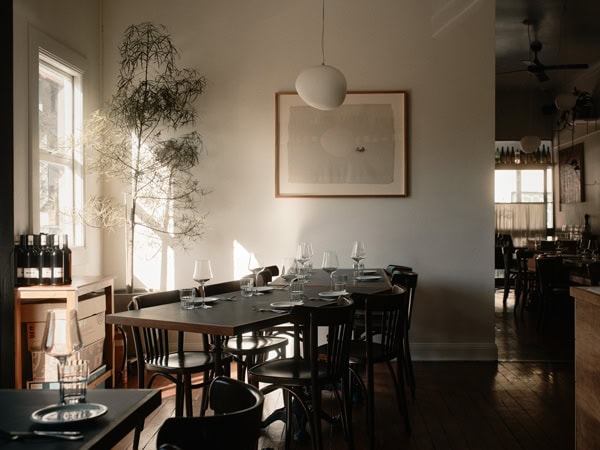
[202,273]
[61,337]
[255,266]
[330,264]
[289,269]
[358,252]
[304,253]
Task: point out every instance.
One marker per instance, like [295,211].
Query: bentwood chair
[303,377]
[510,271]
[152,348]
[385,316]
[235,424]
[408,280]
[525,282]
[251,348]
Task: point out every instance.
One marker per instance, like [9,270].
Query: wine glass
[289,269]
[255,266]
[61,336]
[330,264]
[304,252]
[358,252]
[202,273]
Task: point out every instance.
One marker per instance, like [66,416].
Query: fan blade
[566,66]
[511,71]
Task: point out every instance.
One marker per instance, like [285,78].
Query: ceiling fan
[537,68]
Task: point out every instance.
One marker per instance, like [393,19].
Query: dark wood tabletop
[238,315]
[127,408]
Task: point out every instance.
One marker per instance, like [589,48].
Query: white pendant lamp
[322,87]
[530,144]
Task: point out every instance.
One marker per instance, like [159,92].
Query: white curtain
[521,220]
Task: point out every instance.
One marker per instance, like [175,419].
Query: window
[524,200]
[57,190]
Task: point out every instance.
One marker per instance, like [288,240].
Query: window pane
[506,185]
[532,186]
[60,180]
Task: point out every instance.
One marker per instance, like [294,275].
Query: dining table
[125,409]
[233,315]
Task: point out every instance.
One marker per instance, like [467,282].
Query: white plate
[332,294]
[263,288]
[368,277]
[285,305]
[76,412]
[207,300]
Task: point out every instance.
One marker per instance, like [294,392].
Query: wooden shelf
[537,166]
[70,295]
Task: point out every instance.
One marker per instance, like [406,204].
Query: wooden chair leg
[187,390]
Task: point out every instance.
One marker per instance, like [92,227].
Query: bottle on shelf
[56,260]
[20,260]
[66,257]
[31,272]
[45,258]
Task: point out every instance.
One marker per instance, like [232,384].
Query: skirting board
[467,351]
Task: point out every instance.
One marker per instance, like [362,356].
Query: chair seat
[254,344]
[181,362]
[289,371]
[358,353]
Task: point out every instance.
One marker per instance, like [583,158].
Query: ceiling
[569,31]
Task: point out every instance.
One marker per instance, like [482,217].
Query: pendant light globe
[322,87]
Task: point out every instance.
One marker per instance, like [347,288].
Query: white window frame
[44,48]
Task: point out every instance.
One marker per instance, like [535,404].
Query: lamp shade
[322,87]
[565,102]
[530,144]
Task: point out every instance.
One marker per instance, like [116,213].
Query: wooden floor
[524,401]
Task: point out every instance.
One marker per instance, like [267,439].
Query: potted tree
[141,137]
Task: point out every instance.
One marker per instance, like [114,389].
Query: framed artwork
[570,174]
[356,150]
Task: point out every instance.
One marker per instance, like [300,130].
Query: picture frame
[570,173]
[356,150]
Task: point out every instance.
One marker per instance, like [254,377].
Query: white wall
[76,26]
[443,59]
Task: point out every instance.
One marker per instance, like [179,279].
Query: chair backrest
[235,424]
[222,288]
[153,343]
[409,281]
[523,255]
[385,316]
[504,240]
[391,268]
[338,319]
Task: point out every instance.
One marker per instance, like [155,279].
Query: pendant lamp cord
[323,33]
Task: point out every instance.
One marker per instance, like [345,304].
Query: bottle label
[46,272]
[58,272]
[31,272]
[20,273]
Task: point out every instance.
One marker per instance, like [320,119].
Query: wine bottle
[20,260]
[31,273]
[56,260]
[45,258]
[66,257]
